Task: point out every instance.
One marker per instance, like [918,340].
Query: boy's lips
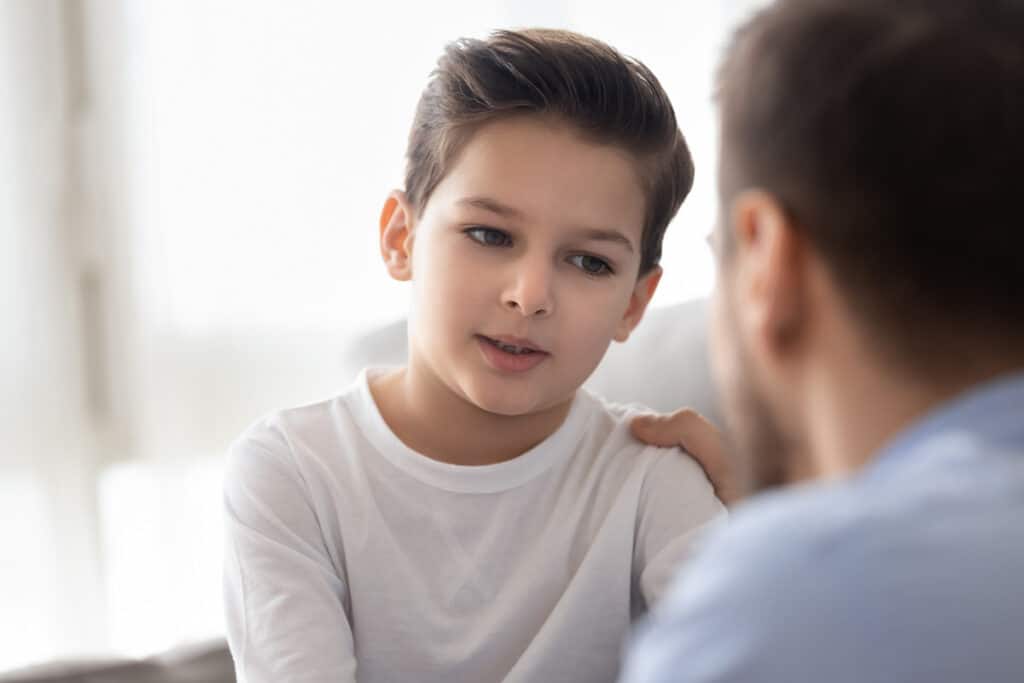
[511,354]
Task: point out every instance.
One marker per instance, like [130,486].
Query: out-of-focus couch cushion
[663,365]
[208,662]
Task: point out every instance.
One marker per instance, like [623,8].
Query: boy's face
[524,264]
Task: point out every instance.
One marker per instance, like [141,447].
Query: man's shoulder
[826,533]
[777,534]
[914,517]
[837,582]
[859,540]
[802,514]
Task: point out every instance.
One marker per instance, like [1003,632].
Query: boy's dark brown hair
[608,98]
[892,131]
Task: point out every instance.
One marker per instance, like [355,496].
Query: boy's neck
[432,420]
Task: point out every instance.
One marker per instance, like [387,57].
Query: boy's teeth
[511,348]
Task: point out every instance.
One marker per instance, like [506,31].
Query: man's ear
[396,232]
[638,300]
[769,259]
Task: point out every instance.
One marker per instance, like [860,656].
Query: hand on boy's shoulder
[693,433]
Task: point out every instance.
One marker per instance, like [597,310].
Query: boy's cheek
[594,333]
[444,272]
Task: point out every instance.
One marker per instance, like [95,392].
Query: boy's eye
[591,265]
[489,237]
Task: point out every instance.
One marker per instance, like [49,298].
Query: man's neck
[854,410]
[434,421]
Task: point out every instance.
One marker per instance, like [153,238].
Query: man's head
[869,184]
[543,169]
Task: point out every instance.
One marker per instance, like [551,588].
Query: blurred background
[189,195]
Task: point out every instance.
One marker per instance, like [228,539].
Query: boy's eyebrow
[496,207]
[492,205]
[606,236]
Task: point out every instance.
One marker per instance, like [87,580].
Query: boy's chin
[507,407]
[513,403]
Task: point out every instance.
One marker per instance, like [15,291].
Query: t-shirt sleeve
[677,508]
[285,599]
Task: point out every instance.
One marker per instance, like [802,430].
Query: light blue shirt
[911,571]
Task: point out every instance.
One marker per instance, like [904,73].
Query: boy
[475,515]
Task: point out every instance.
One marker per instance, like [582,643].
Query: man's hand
[698,437]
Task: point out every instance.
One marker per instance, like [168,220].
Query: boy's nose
[530,293]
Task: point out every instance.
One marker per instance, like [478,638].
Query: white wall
[48,462]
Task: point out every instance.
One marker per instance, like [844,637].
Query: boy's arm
[284,598]
[677,507]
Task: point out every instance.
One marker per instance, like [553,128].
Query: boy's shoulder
[608,427]
[278,432]
[608,438]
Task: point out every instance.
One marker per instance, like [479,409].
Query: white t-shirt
[351,557]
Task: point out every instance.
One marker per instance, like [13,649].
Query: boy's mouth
[518,347]
[511,355]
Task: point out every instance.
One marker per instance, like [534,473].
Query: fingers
[683,428]
[698,437]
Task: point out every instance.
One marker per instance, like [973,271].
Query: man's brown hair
[892,132]
[608,98]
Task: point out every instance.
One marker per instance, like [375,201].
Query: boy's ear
[396,224]
[642,293]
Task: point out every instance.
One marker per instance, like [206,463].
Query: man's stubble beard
[766,453]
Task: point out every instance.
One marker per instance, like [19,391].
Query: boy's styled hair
[608,98]
[892,131]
